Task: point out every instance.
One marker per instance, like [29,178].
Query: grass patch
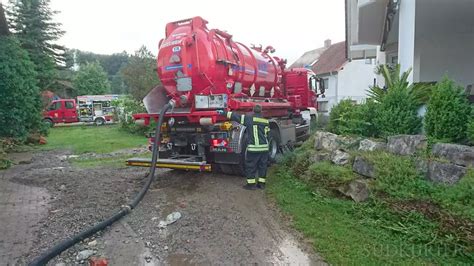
[329,175]
[84,139]
[397,176]
[344,232]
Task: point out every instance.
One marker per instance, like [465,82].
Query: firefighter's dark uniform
[257,149]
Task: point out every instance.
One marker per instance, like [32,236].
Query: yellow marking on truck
[172,166]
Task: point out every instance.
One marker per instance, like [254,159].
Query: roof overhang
[371,18]
[365,23]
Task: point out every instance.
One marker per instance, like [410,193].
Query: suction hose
[126,209]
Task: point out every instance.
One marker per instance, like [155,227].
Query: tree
[139,74]
[91,79]
[32,23]
[112,64]
[20,101]
[448,112]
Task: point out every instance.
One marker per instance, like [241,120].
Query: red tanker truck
[203,70]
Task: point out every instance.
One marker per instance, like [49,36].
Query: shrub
[397,113]
[125,107]
[448,113]
[470,131]
[20,101]
[340,114]
[349,118]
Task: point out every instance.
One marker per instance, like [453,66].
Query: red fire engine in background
[203,70]
[88,108]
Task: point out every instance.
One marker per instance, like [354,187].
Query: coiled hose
[126,209]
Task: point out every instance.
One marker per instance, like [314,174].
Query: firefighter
[256,161]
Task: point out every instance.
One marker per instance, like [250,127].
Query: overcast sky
[110,26]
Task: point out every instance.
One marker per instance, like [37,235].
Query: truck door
[70,112]
[55,112]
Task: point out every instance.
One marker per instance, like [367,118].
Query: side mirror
[322,86]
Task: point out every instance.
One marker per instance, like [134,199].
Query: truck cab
[61,111]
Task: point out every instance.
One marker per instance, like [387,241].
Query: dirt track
[221,223]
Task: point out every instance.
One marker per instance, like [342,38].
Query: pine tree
[32,23]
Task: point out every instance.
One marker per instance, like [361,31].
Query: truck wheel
[226,169]
[99,121]
[273,145]
[48,122]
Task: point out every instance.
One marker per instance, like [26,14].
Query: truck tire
[273,145]
[48,122]
[99,121]
[226,169]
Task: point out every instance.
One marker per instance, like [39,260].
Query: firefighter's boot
[251,184]
[261,183]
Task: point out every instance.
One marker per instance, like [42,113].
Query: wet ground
[46,199]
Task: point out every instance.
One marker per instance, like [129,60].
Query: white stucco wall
[350,82]
[452,55]
[355,78]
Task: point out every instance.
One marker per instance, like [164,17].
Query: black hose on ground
[67,243]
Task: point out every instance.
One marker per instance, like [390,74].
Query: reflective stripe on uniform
[263,147]
[255,135]
[242,119]
[261,180]
[260,120]
[251,181]
[229,115]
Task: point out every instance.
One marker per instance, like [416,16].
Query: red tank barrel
[194,60]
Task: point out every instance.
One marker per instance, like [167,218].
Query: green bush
[20,101]
[348,118]
[397,113]
[470,131]
[448,113]
[125,107]
[340,113]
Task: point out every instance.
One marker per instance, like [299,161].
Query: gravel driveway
[48,199]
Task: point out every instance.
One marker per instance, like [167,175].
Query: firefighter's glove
[220,112]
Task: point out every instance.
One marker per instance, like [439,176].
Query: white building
[433,37]
[344,79]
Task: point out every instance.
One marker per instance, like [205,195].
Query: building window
[323,106]
[326,83]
